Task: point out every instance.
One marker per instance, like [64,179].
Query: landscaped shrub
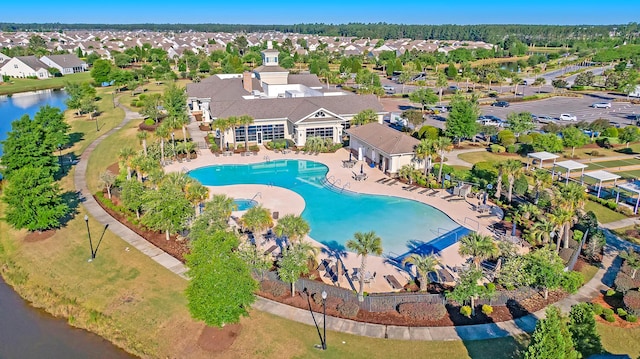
[466,311]
[424,311]
[631,318]
[487,309]
[609,318]
[572,281]
[525,139]
[506,137]
[149,122]
[607,311]
[621,312]
[348,309]
[497,148]
[274,288]
[609,132]
[611,292]
[511,148]
[597,308]
[632,302]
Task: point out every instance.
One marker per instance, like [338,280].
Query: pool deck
[285,201]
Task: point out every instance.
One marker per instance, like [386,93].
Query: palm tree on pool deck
[364,244]
[424,265]
[512,168]
[443,145]
[245,120]
[293,227]
[479,247]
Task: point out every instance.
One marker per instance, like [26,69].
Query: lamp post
[173,144]
[97,128]
[324,320]
[323,338]
[93,255]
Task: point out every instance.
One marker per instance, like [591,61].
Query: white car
[567,117]
[545,119]
[601,105]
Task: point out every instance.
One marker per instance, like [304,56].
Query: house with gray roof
[389,149]
[25,66]
[66,64]
[283,105]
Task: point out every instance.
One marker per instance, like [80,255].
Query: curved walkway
[471,332]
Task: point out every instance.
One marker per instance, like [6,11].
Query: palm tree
[424,152]
[222,124]
[126,155]
[632,259]
[196,194]
[490,77]
[245,120]
[512,168]
[364,244]
[442,145]
[163,133]
[515,81]
[257,219]
[424,265]
[221,204]
[540,232]
[501,169]
[293,227]
[560,217]
[479,247]
[542,180]
[142,136]
[571,198]
[233,122]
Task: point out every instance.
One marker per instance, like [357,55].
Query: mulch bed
[215,339]
[174,247]
[36,236]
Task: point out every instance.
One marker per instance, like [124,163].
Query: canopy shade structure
[542,156]
[569,166]
[602,176]
[634,187]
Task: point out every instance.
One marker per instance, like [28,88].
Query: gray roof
[296,108]
[274,68]
[308,80]
[384,138]
[32,62]
[66,61]
[221,90]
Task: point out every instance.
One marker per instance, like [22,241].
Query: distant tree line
[539,35]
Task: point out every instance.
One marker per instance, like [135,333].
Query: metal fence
[390,301]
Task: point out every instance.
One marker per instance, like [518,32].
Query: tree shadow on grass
[74,138]
[72,199]
[507,348]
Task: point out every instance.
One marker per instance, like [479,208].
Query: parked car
[389,89]
[567,117]
[500,104]
[440,109]
[545,119]
[601,105]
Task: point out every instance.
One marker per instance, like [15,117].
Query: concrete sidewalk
[472,332]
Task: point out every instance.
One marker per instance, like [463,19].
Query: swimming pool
[335,216]
[243,204]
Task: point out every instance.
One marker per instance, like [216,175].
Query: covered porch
[541,157]
[602,176]
[568,166]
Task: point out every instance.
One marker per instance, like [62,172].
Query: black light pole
[322,345]
[173,144]
[93,256]
[97,128]
[324,319]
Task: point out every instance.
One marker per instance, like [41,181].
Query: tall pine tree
[551,339]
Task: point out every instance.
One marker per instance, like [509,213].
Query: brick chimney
[247,81]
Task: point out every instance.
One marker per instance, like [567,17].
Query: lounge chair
[408,188]
[393,282]
[386,180]
[271,249]
[413,189]
[424,191]
[380,180]
[394,181]
[433,193]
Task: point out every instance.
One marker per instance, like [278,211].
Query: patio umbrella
[227,146]
[484,198]
[350,155]
[513,229]
[361,168]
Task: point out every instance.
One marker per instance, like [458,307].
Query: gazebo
[541,156]
[569,166]
[634,187]
[602,176]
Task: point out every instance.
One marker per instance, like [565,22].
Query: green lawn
[620,340]
[604,214]
[613,164]
[475,157]
[24,85]
[620,232]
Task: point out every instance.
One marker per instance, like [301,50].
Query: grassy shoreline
[17,85]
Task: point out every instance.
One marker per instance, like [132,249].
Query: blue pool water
[244,204]
[335,216]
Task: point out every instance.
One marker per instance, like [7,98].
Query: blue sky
[561,12]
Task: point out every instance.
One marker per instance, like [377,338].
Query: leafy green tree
[584,79]
[424,265]
[549,142]
[365,116]
[221,289]
[132,195]
[151,106]
[574,137]
[424,97]
[514,273]
[108,180]
[629,134]
[547,268]
[364,244]
[559,84]
[632,259]
[166,209]
[258,261]
[520,122]
[461,122]
[33,142]
[582,327]
[467,289]
[101,71]
[34,201]
[293,227]
[414,117]
[551,338]
[441,83]
[479,247]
